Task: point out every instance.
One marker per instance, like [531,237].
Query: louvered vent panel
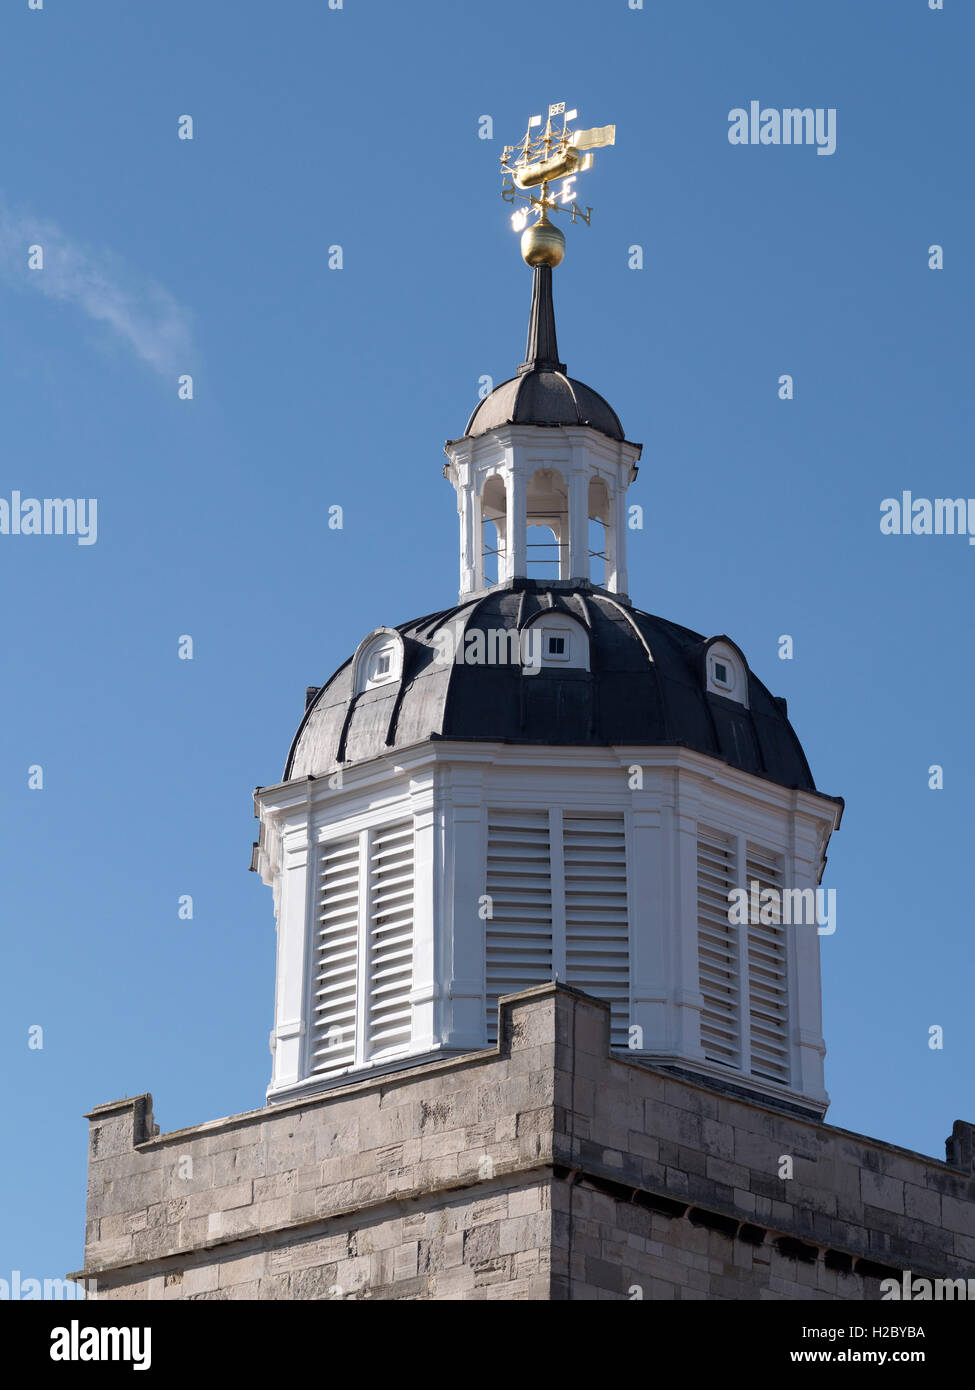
[768,981]
[717,949]
[390,1022]
[333,1026]
[518,935]
[596,923]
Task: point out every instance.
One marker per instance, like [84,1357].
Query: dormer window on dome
[556,640]
[726,673]
[379,660]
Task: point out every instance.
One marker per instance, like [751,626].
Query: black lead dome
[646,686]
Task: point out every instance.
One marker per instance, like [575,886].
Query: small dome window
[555,640]
[379,665]
[379,660]
[726,673]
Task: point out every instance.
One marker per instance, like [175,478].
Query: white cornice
[284,798]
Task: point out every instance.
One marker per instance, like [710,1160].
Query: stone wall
[669,1188]
[545,1169]
[428,1183]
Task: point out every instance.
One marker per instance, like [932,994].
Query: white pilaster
[578,559]
[744,1007]
[295,945]
[809,1048]
[426,993]
[616,577]
[516,540]
[681,814]
[462,924]
[648,891]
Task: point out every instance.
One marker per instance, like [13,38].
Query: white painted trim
[733,684]
[382,642]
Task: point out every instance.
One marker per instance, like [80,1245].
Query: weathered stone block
[523,1232]
[246,1270]
[922,1203]
[239,1221]
[235,1164]
[879,1191]
[959,1217]
[200,1279]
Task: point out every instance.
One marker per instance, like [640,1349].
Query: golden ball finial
[543,244]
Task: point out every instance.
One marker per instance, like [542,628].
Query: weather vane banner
[556,155]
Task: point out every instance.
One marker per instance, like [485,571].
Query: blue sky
[313,387]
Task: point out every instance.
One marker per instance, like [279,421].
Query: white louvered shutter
[337,947]
[717,949]
[768,981]
[518,935]
[596,919]
[389,1024]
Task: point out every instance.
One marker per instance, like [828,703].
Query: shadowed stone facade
[545,1169]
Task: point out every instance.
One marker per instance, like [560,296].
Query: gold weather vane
[556,153]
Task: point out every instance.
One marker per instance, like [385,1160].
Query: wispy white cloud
[140,312]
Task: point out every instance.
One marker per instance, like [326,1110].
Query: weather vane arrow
[536,163]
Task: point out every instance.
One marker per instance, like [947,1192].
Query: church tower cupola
[541,473]
[543,781]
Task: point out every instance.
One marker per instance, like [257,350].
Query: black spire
[542,350]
